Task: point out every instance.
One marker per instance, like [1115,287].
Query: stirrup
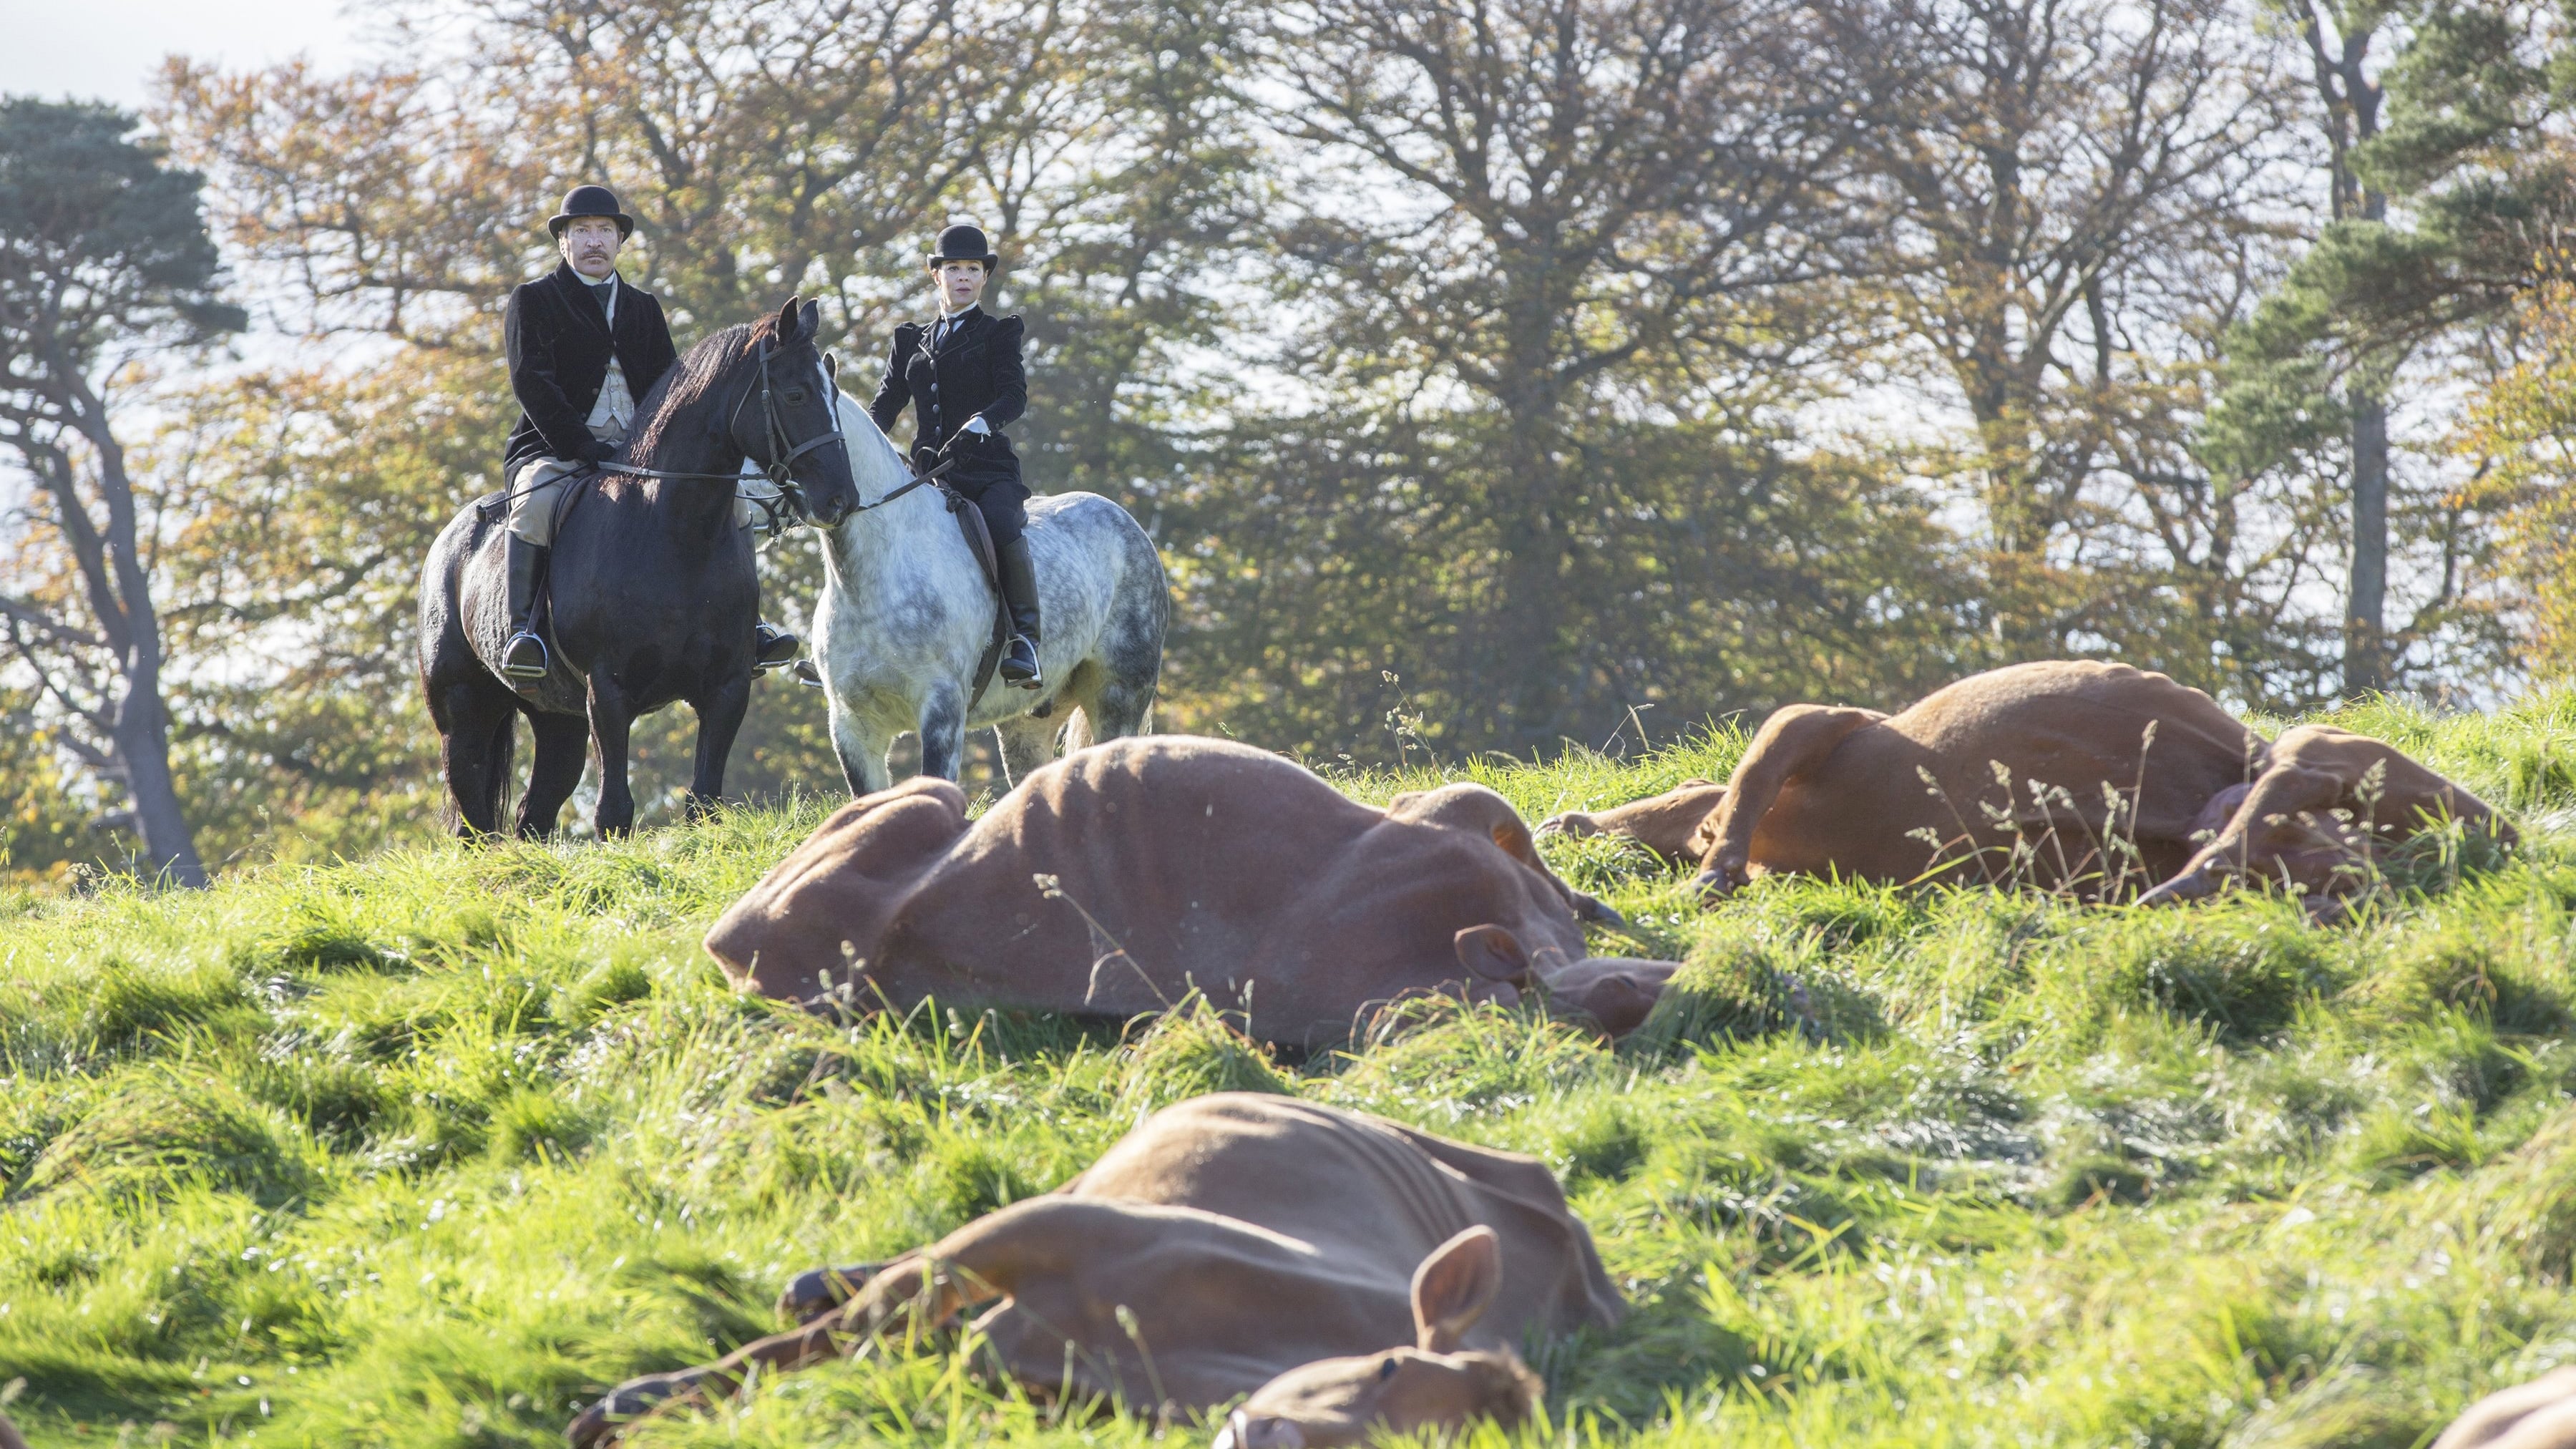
[1033,679]
[806,673]
[515,667]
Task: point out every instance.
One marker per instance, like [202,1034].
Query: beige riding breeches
[536,490]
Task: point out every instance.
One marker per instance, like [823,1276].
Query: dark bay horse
[653,588]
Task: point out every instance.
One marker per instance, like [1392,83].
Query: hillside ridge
[427,1148]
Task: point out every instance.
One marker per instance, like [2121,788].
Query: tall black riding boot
[772,647]
[1020,592]
[524,657]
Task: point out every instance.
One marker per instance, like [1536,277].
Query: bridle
[783,450]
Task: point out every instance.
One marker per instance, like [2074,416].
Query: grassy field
[426,1149]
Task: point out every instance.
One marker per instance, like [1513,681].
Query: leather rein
[783,451]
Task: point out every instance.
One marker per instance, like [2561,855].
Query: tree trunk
[143,746]
[2365,667]
[142,723]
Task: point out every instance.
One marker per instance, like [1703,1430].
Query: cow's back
[2074,722]
[1175,864]
[1181,853]
[2070,725]
[1368,1193]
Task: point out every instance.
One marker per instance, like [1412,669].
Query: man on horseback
[961,372]
[584,344]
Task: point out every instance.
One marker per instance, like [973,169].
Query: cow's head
[2288,826]
[1617,992]
[1432,1384]
[1479,810]
[804,933]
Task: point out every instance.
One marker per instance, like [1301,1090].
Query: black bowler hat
[965,244]
[584,201]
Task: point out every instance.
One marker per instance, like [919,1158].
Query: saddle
[979,542]
[541,613]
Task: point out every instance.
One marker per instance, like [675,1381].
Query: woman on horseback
[961,373]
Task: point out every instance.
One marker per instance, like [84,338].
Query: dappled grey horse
[906,614]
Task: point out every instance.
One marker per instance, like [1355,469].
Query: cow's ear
[1454,1287]
[1514,838]
[1492,953]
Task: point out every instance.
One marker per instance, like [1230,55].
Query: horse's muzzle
[829,513]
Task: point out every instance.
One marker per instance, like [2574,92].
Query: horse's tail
[505,740]
[496,789]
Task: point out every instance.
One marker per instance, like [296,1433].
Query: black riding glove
[600,450]
[962,444]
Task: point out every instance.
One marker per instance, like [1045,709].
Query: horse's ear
[787,320]
[809,320]
[832,367]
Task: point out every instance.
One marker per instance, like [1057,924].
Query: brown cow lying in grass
[1346,1272]
[2538,1415]
[1117,880]
[2048,773]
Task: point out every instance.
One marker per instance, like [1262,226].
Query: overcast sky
[110,49]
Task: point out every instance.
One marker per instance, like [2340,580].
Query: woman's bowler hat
[965,244]
[584,201]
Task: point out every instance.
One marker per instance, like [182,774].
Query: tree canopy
[1493,375]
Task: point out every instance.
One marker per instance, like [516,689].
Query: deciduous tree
[103,257]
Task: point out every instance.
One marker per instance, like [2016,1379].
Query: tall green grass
[428,1148]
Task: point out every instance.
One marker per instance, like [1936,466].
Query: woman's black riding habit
[975,369]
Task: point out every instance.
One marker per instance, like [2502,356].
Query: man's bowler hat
[584,201]
[965,244]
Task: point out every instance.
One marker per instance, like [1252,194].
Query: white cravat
[615,410]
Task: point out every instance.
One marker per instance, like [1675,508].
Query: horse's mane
[687,381]
[860,437]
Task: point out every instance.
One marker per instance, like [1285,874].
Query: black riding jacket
[559,345]
[975,370]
